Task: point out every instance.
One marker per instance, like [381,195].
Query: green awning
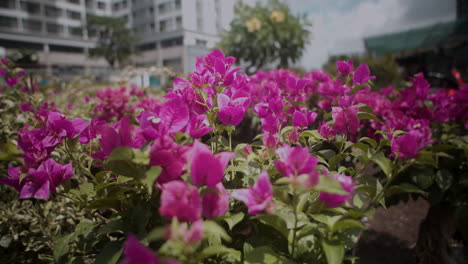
[421,38]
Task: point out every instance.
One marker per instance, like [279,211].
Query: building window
[73,15]
[172,42]
[179,22]
[7,4]
[175,64]
[201,42]
[8,22]
[89,3]
[163,26]
[101,5]
[31,8]
[32,25]
[116,7]
[199,14]
[54,29]
[152,27]
[75,31]
[52,11]
[124,4]
[164,8]
[147,46]
[178,5]
[76,2]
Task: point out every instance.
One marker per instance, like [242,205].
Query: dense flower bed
[174,180]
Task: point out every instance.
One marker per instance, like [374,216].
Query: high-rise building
[170,32]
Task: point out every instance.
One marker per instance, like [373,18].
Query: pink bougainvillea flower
[259,197]
[174,114]
[232,110]
[111,139]
[362,74]
[206,168]
[198,126]
[215,203]
[136,253]
[334,200]
[11,81]
[296,161]
[408,145]
[326,131]
[43,180]
[303,118]
[346,119]
[344,68]
[172,158]
[181,201]
[58,127]
[13,178]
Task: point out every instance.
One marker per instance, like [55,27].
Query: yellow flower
[253,24]
[277,16]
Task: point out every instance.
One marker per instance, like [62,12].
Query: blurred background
[150,41]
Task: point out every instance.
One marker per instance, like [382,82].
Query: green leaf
[61,248]
[218,250]
[334,252]
[384,163]
[151,176]
[110,254]
[365,108]
[403,188]
[346,224]
[329,185]
[274,221]
[444,179]
[213,229]
[423,177]
[365,115]
[233,220]
[369,141]
[335,161]
[265,255]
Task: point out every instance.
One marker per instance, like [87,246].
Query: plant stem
[293,246]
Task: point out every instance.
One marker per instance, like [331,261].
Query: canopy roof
[411,41]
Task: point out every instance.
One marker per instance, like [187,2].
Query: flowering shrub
[173,180]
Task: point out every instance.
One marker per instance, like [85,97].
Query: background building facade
[170,32]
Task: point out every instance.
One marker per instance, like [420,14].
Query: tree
[115,40]
[262,35]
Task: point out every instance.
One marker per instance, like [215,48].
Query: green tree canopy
[265,34]
[115,40]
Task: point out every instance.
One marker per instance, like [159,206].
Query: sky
[339,26]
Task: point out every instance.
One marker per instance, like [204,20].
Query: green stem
[293,246]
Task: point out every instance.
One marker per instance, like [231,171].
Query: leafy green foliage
[265,34]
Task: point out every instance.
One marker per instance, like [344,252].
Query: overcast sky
[340,25]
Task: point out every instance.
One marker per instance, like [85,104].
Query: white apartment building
[170,32]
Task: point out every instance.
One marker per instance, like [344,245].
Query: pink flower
[362,74]
[206,168]
[344,68]
[172,158]
[111,139]
[10,81]
[334,200]
[198,126]
[303,118]
[408,145]
[346,119]
[296,161]
[259,197]
[215,203]
[136,253]
[181,201]
[326,131]
[232,110]
[41,181]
